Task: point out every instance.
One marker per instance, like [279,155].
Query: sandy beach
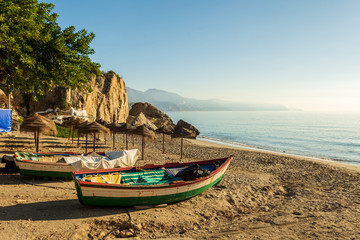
[263,195]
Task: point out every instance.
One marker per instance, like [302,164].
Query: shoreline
[208,142]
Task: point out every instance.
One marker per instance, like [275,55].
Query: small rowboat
[53,164]
[52,167]
[150,184]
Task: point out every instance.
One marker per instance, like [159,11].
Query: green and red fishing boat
[29,164]
[150,184]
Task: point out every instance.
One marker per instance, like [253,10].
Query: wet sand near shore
[262,196]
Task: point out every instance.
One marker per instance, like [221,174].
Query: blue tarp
[5,120]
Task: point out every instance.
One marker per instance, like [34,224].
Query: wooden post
[126,141]
[142,146]
[86,137]
[37,141]
[71,129]
[113,140]
[181,152]
[35,137]
[72,137]
[94,141]
[78,138]
[163,143]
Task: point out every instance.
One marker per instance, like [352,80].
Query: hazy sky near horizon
[303,54]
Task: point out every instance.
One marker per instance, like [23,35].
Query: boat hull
[102,195]
[44,169]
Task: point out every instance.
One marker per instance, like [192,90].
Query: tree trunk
[27,99]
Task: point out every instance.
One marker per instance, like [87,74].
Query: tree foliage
[36,54]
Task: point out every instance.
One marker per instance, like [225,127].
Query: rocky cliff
[107,100]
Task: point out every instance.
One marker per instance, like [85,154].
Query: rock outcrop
[107,101]
[4,103]
[155,115]
[186,130]
[141,120]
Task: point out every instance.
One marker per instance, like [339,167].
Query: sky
[302,54]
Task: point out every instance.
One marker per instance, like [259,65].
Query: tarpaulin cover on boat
[5,120]
[133,178]
[112,178]
[148,177]
[26,156]
[126,158]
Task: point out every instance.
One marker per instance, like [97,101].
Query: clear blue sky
[303,54]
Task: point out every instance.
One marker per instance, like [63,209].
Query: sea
[334,136]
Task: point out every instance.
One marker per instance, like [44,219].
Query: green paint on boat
[45,173]
[138,201]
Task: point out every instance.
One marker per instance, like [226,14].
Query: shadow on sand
[55,210]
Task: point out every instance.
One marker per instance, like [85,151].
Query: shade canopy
[74,122]
[38,123]
[102,122]
[166,129]
[125,128]
[93,127]
[144,131]
[114,127]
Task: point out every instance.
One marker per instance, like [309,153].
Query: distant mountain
[168,101]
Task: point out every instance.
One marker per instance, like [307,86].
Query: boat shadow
[11,177]
[55,210]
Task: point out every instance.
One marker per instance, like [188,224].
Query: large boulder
[186,130]
[141,120]
[155,115]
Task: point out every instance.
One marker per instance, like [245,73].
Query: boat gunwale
[51,154]
[180,183]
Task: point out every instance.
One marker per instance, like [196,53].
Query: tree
[36,54]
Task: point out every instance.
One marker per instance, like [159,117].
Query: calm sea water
[325,135]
